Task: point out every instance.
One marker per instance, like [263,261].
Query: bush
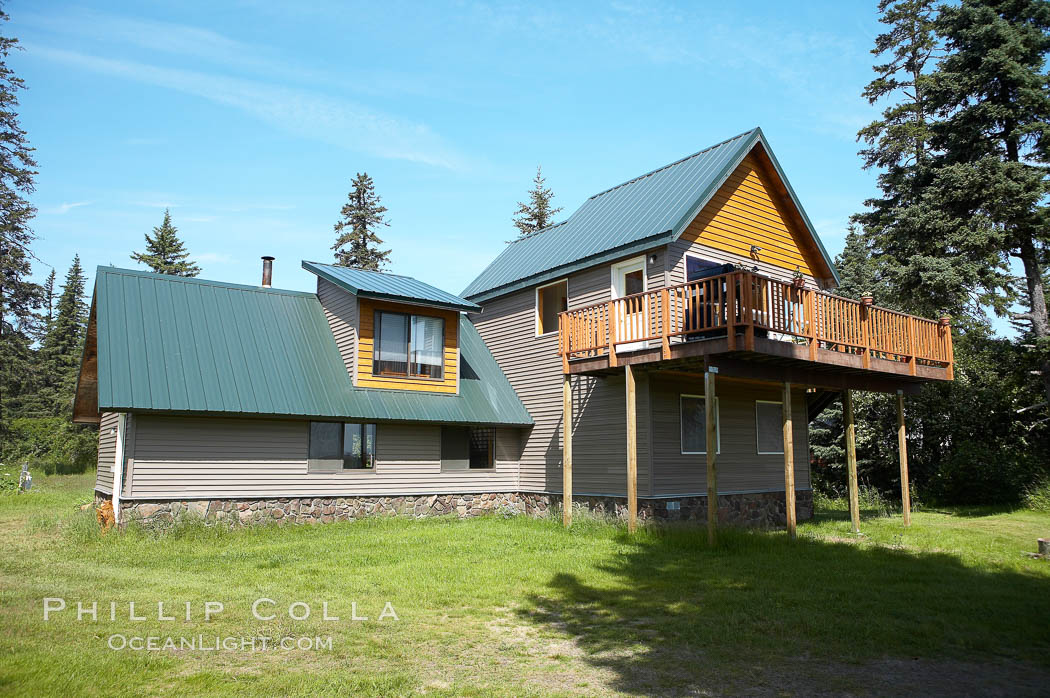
[1037,496]
[53,445]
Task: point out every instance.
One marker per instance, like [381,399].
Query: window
[696,268]
[467,448]
[694,425]
[342,446]
[409,346]
[551,300]
[769,426]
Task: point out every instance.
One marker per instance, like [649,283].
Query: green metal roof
[177,345]
[644,212]
[375,284]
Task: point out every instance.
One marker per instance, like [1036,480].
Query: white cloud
[65,208]
[307,114]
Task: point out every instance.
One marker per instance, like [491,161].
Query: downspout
[118,465]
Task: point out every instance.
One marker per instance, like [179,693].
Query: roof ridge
[110,269]
[370,271]
[672,164]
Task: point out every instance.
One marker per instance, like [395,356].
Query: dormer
[393,332]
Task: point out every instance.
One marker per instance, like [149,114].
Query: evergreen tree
[537,213]
[61,349]
[165,252]
[19,297]
[357,245]
[49,300]
[992,91]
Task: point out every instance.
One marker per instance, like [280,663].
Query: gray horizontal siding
[531,363]
[740,467]
[340,309]
[180,457]
[107,451]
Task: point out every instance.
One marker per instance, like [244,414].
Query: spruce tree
[537,213]
[62,346]
[165,252]
[357,245]
[49,299]
[992,91]
[19,297]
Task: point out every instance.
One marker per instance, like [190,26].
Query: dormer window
[409,346]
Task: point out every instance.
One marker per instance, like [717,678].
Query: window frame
[685,266]
[757,446]
[313,465]
[681,425]
[539,315]
[376,338]
[470,428]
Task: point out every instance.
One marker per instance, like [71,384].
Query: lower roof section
[168,344]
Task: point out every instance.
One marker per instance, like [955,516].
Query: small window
[769,426]
[551,300]
[694,425]
[342,446]
[409,346]
[468,448]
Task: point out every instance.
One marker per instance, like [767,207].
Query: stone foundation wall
[760,509]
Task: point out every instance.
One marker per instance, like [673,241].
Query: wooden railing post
[865,335]
[945,326]
[731,312]
[909,324]
[748,283]
[810,308]
[612,333]
[563,342]
[665,324]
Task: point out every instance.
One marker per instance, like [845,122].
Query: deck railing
[750,303]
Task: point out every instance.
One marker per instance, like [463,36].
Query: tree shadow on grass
[761,613]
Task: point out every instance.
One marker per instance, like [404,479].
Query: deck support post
[710,415]
[632,451]
[118,465]
[566,452]
[851,459]
[789,460]
[902,448]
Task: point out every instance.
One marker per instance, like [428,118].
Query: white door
[632,315]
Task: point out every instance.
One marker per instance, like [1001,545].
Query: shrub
[53,445]
[1037,496]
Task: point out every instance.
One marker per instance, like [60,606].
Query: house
[679,322]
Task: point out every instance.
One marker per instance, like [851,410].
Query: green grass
[519,606]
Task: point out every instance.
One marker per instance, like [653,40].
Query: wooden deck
[760,327]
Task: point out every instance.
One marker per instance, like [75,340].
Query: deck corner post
[632,451]
[731,312]
[789,460]
[851,460]
[810,307]
[563,343]
[711,447]
[566,456]
[665,324]
[612,333]
[902,448]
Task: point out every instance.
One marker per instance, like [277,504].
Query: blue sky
[248,119]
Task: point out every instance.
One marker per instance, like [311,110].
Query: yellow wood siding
[748,211]
[365,379]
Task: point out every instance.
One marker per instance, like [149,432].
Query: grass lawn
[519,606]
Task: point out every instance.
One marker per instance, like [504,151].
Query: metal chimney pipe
[267,271]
